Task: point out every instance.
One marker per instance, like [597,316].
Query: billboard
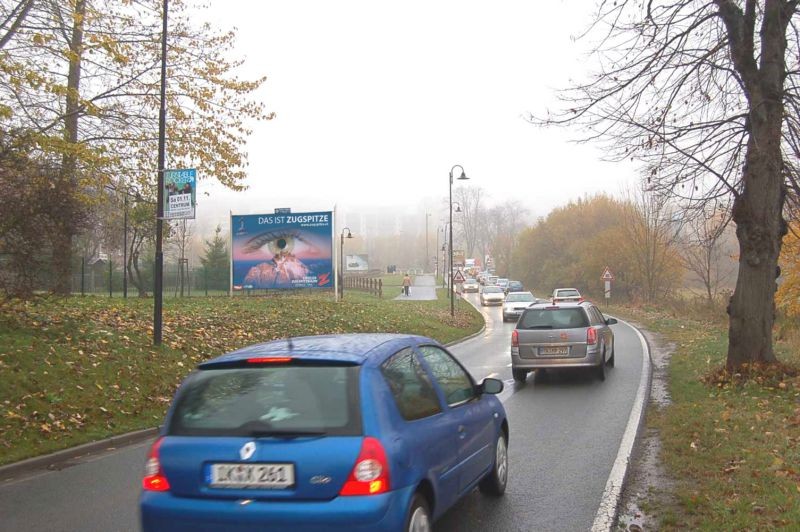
[356,263]
[179,194]
[282,250]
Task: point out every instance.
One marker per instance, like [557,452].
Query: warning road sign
[607,275]
[458,277]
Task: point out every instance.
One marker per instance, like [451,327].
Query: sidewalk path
[423,287]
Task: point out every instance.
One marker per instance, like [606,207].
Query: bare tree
[503,224]
[651,236]
[703,92]
[703,252]
[469,220]
[181,243]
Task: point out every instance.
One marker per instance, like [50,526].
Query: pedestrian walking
[407,284]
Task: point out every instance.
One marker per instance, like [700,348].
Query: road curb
[467,338]
[612,494]
[53,460]
[473,335]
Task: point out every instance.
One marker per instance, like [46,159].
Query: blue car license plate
[263,476]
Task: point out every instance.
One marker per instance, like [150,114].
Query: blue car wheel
[495,482]
[419,516]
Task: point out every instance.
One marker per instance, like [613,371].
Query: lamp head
[463,175]
[458,208]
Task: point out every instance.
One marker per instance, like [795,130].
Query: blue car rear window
[260,400]
[553,318]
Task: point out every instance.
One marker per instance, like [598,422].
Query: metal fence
[106,278]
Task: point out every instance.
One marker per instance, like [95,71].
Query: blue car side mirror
[493,386]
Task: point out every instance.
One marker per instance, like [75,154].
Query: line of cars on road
[351,432]
[565,331]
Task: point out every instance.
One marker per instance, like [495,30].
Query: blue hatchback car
[352,432]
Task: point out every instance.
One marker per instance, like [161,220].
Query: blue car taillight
[370,474]
[154,479]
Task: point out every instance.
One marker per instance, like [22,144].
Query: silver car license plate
[263,476]
[551,351]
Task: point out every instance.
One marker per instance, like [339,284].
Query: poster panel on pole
[356,263]
[179,194]
[282,251]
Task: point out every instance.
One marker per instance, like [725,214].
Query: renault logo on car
[247,450]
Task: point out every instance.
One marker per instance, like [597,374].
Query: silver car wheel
[501,460]
[419,522]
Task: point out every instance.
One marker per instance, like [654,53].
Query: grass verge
[732,445]
[74,370]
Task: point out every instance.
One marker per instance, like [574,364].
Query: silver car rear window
[568,293]
[269,399]
[553,318]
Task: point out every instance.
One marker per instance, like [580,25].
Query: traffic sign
[607,275]
[458,277]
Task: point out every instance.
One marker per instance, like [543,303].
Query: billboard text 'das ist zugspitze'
[282,250]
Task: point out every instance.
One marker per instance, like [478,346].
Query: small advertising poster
[458,257]
[356,263]
[179,194]
[282,251]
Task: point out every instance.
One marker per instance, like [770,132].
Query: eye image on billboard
[282,251]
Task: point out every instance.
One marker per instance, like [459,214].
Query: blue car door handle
[461,431]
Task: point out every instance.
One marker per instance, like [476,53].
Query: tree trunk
[759,228]
[758,210]
[67,182]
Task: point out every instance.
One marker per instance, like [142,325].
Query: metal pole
[341,267]
[83,275]
[450,265]
[110,277]
[427,257]
[158,295]
[125,248]
[436,250]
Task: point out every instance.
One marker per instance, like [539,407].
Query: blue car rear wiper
[540,327]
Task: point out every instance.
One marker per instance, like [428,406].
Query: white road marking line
[609,504]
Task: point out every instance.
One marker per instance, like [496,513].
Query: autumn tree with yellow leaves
[788,295]
[80,81]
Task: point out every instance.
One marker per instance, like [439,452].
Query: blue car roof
[354,348]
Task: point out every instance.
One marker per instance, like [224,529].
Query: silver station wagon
[563,335]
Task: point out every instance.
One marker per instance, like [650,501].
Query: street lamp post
[450,266]
[444,258]
[439,229]
[427,257]
[341,261]
[158,284]
[125,249]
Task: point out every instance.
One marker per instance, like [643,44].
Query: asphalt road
[565,433]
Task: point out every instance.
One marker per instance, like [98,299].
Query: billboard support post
[341,261]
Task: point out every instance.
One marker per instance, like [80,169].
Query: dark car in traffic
[514,286]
